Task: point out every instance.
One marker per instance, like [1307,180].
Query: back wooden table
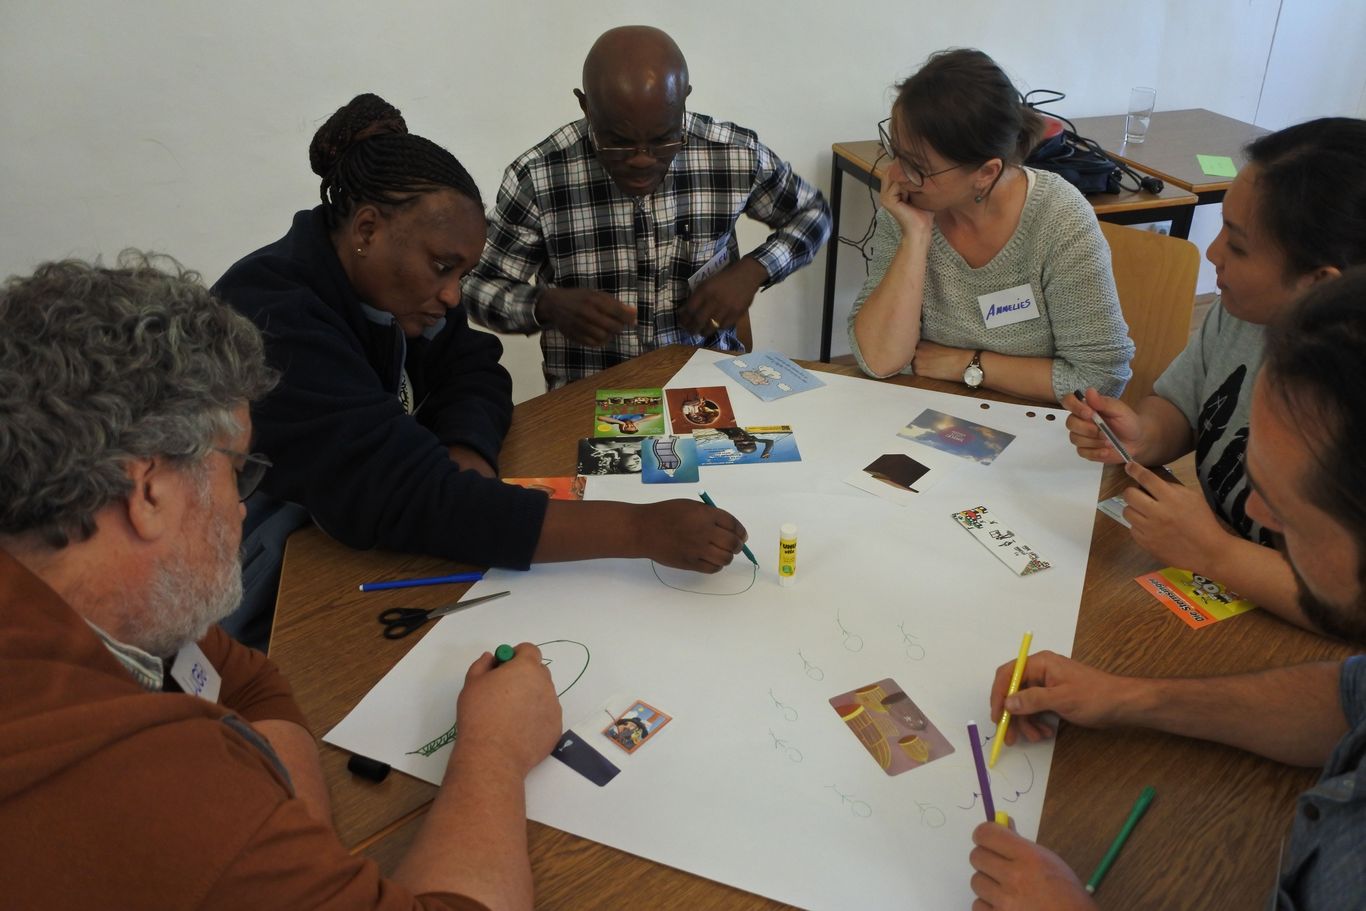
[1209,840]
[1170,148]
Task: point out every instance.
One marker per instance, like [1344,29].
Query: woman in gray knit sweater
[983,271]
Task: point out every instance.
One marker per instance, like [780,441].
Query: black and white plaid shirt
[562,220]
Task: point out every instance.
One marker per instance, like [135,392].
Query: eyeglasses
[660,151]
[249,473]
[914,175]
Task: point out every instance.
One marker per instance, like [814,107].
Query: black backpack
[1081,161]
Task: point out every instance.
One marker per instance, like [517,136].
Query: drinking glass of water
[1141,101]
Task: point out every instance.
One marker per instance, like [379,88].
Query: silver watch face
[973,375]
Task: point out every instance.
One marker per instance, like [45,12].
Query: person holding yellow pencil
[1305,463]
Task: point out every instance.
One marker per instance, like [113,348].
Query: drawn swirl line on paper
[1000,794]
[859,808]
[793,753]
[789,712]
[931,816]
[914,650]
[810,669]
[849,638]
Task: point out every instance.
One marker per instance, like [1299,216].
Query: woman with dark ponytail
[391,409]
[983,271]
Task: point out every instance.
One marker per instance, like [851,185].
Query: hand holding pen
[1102,428]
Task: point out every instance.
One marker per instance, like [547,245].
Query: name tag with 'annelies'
[1010,305]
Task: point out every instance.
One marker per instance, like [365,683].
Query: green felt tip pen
[1140,807]
[503,653]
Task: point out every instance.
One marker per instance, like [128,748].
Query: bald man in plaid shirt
[626,220]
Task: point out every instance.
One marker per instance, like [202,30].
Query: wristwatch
[973,374]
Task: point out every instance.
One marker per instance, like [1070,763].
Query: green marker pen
[1140,807]
[502,654]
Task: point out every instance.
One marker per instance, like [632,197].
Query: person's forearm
[1262,576]
[1167,435]
[1025,377]
[1292,715]
[887,327]
[297,751]
[473,841]
[468,459]
[590,530]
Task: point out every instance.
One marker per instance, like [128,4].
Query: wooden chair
[1155,276]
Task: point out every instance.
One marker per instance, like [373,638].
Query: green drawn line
[427,749]
[754,578]
[438,743]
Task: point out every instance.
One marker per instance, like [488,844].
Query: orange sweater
[115,797]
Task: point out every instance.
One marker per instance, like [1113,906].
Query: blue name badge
[1011,305]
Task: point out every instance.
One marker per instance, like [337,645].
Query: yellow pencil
[1015,677]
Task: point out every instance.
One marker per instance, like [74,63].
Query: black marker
[1161,470]
[1105,429]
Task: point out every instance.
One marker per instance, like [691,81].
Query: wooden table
[1210,839]
[863,161]
[1174,139]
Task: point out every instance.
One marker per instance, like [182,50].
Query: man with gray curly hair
[139,744]
[114,384]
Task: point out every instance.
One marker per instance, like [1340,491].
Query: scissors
[400,621]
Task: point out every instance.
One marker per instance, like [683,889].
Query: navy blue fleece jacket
[370,474]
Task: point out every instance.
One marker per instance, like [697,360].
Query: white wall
[184,126]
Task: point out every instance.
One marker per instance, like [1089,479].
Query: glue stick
[787,554]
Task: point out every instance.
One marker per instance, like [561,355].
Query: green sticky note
[1217,165]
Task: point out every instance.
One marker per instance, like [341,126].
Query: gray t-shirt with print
[1211,382]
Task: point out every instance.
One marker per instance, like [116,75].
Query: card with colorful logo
[891,727]
[996,537]
[1198,601]
[956,436]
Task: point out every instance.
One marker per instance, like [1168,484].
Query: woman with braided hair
[391,409]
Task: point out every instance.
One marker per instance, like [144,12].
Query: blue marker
[415,583]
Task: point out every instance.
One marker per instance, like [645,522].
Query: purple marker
[982,781]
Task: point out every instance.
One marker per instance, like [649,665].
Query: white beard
[184,599]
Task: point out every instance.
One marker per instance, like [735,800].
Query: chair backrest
[1155,276]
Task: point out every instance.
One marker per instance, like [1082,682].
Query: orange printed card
[1198,601]
[570,488]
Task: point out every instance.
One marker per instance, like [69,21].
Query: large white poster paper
[757,782]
